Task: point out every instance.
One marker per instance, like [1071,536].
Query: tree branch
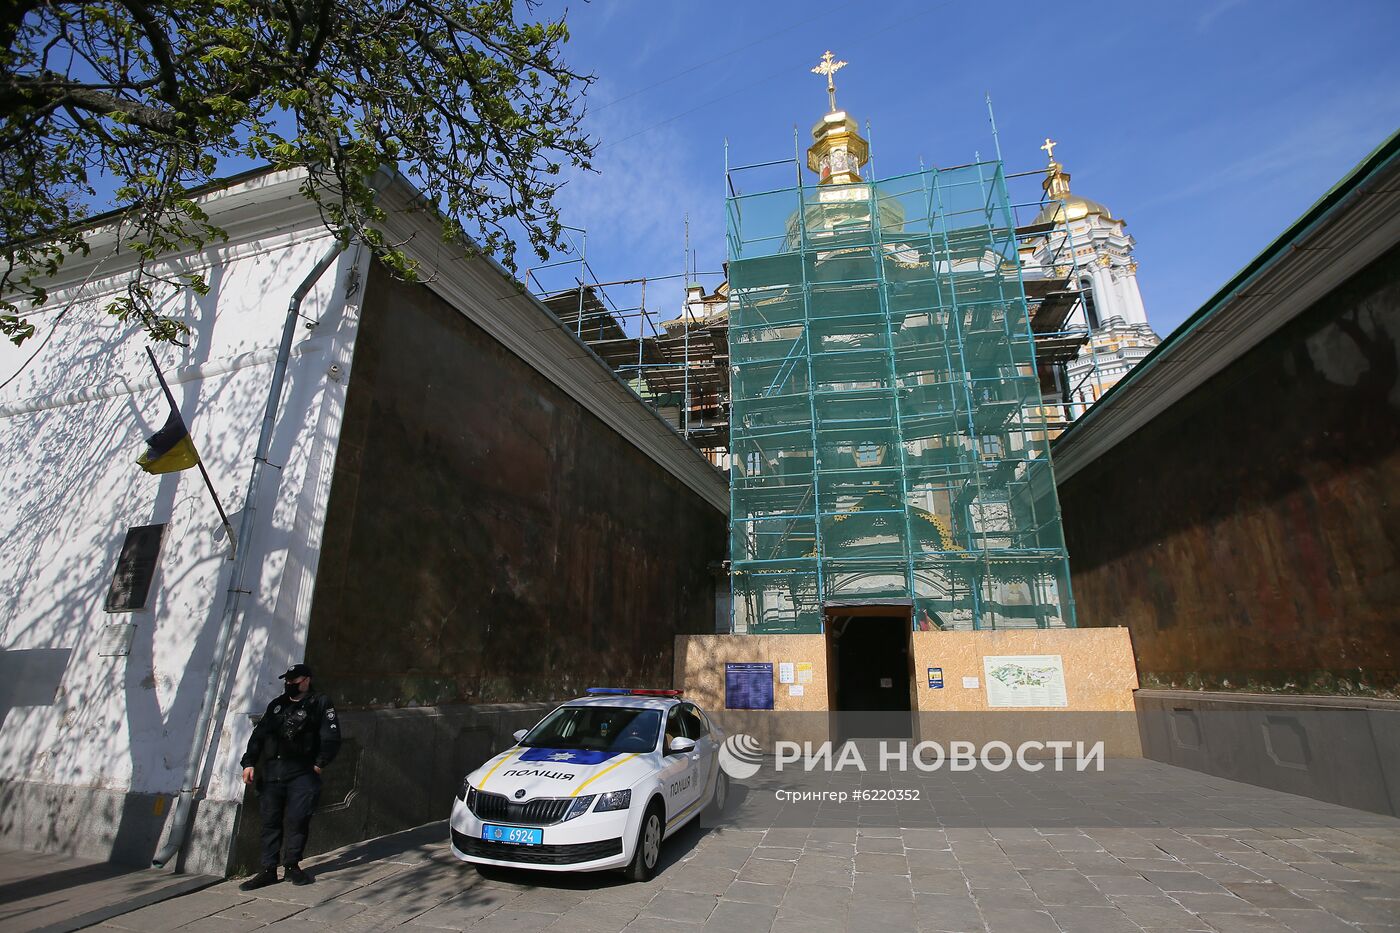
[160,48]
[39,93]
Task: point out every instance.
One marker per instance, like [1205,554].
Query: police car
[598,784]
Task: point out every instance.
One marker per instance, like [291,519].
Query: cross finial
[1049,148]
[829,66]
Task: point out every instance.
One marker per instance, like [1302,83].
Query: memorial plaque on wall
[136,568]
[116,640]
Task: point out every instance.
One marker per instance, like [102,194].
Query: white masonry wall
[80,400]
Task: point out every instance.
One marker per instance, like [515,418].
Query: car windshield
[597,728]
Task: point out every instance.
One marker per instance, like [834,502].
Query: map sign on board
[1025,680]
[748,685]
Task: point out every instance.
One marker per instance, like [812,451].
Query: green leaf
[471,99]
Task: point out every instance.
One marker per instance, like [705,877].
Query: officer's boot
[261,880]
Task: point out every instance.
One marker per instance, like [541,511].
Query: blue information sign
[935,678]
[748,685]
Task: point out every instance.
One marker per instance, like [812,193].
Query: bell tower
[1086,247]
[1101,246]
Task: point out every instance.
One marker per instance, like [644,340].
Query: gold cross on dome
[1049,148]
[829,66]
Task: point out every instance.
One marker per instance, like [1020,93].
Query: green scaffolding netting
[887,439]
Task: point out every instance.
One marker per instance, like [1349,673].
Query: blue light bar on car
[608,691]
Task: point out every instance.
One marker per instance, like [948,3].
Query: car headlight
[616,800]
[467,793]
[578,808]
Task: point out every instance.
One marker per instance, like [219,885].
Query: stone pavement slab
[1186,852]
[42,891]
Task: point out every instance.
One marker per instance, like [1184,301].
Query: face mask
[294,690]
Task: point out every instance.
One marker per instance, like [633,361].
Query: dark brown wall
[488,540]
[1250,535]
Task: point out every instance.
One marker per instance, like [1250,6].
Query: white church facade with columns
[1090,248]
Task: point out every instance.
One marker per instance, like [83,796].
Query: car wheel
[648,850]
[721,797]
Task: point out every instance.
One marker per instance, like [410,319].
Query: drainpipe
[213,705]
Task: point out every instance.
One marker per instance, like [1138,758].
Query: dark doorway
[868,654]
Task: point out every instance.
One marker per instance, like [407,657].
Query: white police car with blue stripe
[599,783]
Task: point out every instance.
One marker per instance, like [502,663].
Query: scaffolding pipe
[882,284]
[641,335]
[817,536]
[582,274]
[685,332]
[992,118]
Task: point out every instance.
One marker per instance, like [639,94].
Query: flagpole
[198,461]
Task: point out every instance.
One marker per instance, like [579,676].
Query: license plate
[515,835]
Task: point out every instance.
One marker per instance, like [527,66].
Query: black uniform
[291,738]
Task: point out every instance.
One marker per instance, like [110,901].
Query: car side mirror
[680,744]
[520,734]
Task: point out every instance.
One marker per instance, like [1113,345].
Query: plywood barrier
[1100,675]
[1098,669]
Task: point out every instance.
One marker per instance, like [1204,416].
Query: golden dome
[1073,207]
[1061,206]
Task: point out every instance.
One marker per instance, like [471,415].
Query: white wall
[72,422]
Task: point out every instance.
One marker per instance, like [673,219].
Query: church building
[889,452]
[1078,241]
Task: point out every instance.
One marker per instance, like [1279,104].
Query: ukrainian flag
[170,449]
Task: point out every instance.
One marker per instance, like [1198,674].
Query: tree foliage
[472,99]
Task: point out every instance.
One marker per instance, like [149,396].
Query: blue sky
[1209,126]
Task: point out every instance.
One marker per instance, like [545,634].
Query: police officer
[295,740]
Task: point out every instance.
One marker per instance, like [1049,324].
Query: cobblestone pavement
[1180,851]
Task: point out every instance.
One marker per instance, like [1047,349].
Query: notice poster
[804,672]
[1025,680]
[748,685]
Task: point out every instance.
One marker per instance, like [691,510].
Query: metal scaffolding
[678,365]
[888,438]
